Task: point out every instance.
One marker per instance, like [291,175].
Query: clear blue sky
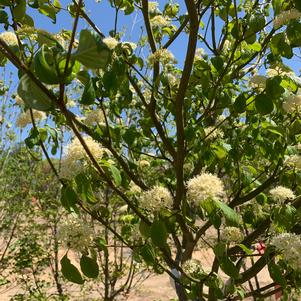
[103,16]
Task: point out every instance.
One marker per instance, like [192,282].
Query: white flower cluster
[143,163]
[193,268]
[204,186]
[163,56]
[153,6]
[213,133]
[110,42]
[75,158]
[77,152]
[226,46]
[258,81]
[199,54]
[231,234]
[292,103]
[19,101]
[127,45]
[293,161]
[94,117]
[173,80]
[24,118]
[159,21]
[75,234]
[285,16]
[289,246]
[282,194]
[277,70]
[9,38]
[156,198]
[134,189]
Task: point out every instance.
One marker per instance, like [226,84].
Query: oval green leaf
[70,272]
[33,95]
[89,267]
[92,52]
[158,233]
[263,104]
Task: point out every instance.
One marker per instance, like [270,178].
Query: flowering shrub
[192,129]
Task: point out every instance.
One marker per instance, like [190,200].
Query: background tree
[193,144]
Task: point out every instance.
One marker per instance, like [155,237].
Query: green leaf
[57,4]
[148,254]
[84,188]
[273,87]
[276,274]
[28,20]
[218,63]
[256,22]
[209,205]
[101,244]
[279,46]
[219,249]
[228,267]
[297,4]
[110,81]
[230,215]
[220,152]
[44,65]
[49,64]
[250,37]
[263,104]
[116,175]
[293,32]
[70,272]
[144,229]
[48,11]
[33,138]
[92,52]
[130,135]
[240,103]
[68,198]
[240,292]
[245,249]
[255,46]
[32,95]
[89,93]
[3,17]
[89,267]
[6,2]
[72,70]
[158,233]
[215,219]
[19,11]
[83,76]
[261,199]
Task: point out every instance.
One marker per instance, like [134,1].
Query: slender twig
[89,21]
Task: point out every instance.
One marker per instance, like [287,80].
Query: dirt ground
[154,288]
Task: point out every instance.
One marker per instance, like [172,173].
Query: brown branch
[179,101]
[177,33]
[148,26]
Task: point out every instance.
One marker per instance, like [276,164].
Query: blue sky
[103,16]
